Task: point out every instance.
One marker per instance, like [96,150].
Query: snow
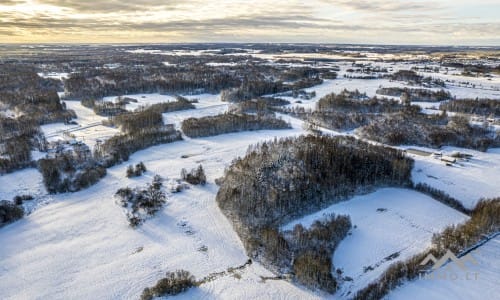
[467,181]
[411,216]
[79,245]
[89,128]
[467,286]
[142,100]
[84,240]
[24,182]
[55,75]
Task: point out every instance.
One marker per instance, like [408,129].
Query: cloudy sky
[455,22]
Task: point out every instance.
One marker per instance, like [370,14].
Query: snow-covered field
[79,245]
[467,181]
[142,100]
[88,130]
[84,239]
[388,222]
[479,281]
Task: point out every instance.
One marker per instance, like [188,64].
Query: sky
[437,22]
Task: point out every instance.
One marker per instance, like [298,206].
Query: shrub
[141,203]
[196,176]
[174,283]
[18,200]
[9,212]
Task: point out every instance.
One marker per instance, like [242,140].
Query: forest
[288,178]
[416,95]
[483,107]
[226,123]
[432,131]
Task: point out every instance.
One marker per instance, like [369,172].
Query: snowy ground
[479,281]
[88,130]
[23,182]
[142,100]
[80,246]
[467,181]
[364,255]
[84,240]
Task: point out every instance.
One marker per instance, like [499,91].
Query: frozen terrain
[388,225]
[478,281]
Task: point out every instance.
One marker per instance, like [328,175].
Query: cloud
[378,6]
[90,6]
[391,21]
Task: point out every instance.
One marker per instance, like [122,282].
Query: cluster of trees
[23,91]
[196,176]
[416,94]
[119,147]
[484,107]
[430,131]
[140,168]
[358,102]
[347,110]
[172,284]
[105,108]
[226,123]
[250,89]
[312,250]
[259,106]
[166,107]
[139,120]
[19,199]
[18,136]
[485,220]
[65,173]
[10,212]
[280,180]
[141,203]
[413,78]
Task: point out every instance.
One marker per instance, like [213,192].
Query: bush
[174,283]
[18,200]
[140,168]
[196,176]
[9,212]
[141,203]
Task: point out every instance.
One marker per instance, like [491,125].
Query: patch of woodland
[346,111]
[483,107]
[118,148]
[26,93]
[413,128]
[285,179]
[414,79]
[18,136]
[258,106]
[416,95]
[70,171]
[229,122]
